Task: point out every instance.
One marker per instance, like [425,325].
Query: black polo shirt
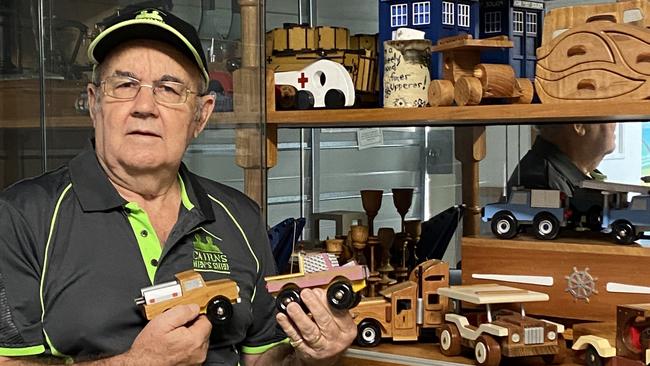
[545,166]
[75,254]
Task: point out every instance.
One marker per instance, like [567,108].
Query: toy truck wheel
[487,351]
[357,299]
[219,310]
[623,232]
[304,99]
[592,358]
[334,98]
[546,226]
[340,295]
[450,344]
[368,334]
[504,225]
[287,296]
[595,218]
[559,357]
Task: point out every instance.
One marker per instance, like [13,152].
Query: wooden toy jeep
[504,333]
[343,283]
[214,297]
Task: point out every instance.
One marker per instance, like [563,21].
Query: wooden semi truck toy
[625,343]
[404,309]
[322,270]
[215,297]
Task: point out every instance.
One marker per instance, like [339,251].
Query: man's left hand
[324,335]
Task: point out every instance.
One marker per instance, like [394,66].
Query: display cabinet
[299,163]
[44,71]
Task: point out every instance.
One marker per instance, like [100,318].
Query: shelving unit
[464,116]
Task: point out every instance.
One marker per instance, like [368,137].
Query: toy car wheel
[623,232]
[504,225]
[595,218]
[368,334]
[334,98]
[559,357]
[304,99]
[357,300]
[592,358]
[450,344]
[546,226]
[487,351]
[341,295]
[219,310]
[287,296]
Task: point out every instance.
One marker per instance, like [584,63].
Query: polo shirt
[75,255]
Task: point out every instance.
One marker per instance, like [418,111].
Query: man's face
[143,135]
[602,137]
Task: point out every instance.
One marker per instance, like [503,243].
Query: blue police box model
[521,21]
[438,19]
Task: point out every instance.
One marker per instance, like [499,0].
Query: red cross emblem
[302,80]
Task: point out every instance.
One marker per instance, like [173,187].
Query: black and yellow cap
[150,23]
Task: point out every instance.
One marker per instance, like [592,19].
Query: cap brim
[142,29]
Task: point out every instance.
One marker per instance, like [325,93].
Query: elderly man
[80,242]
[562,157]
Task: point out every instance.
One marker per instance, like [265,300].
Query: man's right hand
[179,336]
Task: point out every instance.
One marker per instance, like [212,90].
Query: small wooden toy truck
[214,297]
[504,333]
[342,283]
[404,309]
[625,343]
[545,210]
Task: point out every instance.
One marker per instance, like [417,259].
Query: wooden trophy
[359,235]
[402,198]
[334,246]
[374,278]
[371,201]
[386,236]
[413,229]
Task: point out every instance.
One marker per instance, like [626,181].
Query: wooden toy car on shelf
[294,48]
[343,283]
[466,81]
[215,298]
[503,333]
[404,309]
[625,343]
[545,210]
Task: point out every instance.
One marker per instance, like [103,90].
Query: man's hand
[179,336]
[325,335]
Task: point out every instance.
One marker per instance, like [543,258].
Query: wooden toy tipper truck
[405,308]
[626,343]
[214,297]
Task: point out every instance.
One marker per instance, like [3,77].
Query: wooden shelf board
[424,353]
[459,116]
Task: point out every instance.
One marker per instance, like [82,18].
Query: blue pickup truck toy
[546,211]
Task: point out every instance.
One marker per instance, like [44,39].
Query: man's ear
[91,89]
[207,105]
[580,129]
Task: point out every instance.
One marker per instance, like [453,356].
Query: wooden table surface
[425,353]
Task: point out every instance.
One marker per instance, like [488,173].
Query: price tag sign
[369,137]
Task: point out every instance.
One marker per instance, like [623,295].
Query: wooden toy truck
[625,343]
[504,333]
[466,81]
[342,283]
[214,297]
[405,308]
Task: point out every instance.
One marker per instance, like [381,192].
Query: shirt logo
[208,256]
[150,15]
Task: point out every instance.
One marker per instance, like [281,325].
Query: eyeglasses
[164,92]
